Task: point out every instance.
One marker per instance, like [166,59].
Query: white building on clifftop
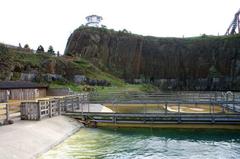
[93,20]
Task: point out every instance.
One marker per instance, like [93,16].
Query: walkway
[27,139]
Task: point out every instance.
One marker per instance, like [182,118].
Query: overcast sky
[50,22]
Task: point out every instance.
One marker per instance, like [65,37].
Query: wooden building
[21,90]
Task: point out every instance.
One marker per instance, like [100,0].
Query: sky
[50,22]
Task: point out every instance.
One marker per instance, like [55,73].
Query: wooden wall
[23,94]
[3,95]
[42,92]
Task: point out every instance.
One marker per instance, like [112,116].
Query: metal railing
[180,107]
[227,101]
[193,97]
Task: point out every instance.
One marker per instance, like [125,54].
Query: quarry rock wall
[198,63]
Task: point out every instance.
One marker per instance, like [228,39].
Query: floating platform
[182,120]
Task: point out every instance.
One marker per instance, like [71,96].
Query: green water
[149,143]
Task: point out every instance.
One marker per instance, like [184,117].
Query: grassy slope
[90,71]
[117,85]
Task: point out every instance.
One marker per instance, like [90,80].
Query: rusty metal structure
[155,109]
[234,27]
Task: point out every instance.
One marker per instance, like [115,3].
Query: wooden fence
[3,96]
[3,113]
[37,110]
[22,94]
[9,112]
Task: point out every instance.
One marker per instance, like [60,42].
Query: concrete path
[94,108]
[28,139]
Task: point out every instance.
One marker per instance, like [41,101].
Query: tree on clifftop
[26,46]
[51,50]
[40,49]
[3,49]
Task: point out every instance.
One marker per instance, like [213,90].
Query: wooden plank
[2,112]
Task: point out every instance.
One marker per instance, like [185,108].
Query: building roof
[20,84]
[93,15]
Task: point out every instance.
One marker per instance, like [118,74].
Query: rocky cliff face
[201,63]
[119,52]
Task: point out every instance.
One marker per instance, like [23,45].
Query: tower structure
[93,20]
[234,27]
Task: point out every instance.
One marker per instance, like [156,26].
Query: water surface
[149,143]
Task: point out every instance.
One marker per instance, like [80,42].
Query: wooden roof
[20,84]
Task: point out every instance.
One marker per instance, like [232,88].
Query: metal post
[210,108]
[50,108]
[233,102]
[113,106]
[215,96]
[223,109]
[39,110]
[144,105]
[7,112]
[65,104]
[179,114]
[213,107]
[227,97]
[178,108]
[213,117]
[227,102]
[113,119]
[82,104]
[144,108]
[72,105]
[88,106]
[59,107]
[77,103]
[166,105]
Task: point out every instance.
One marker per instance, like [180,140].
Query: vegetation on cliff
[57,71]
